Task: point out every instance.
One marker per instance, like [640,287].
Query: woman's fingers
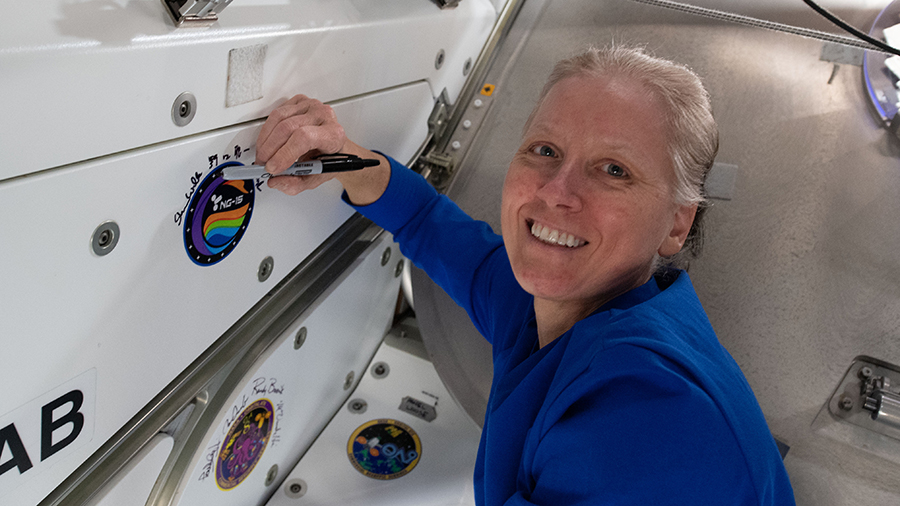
[299,128]
[292,185]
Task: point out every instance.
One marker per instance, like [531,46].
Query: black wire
[836,20]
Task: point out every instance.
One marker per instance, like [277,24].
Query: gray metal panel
[799,274]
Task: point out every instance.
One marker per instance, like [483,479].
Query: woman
[610,386]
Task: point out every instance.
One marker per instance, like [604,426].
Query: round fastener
[348,381]
[467,67]
[386,256]
[265,269]
[478,103]
[300,338]
[439,59]
[105,238]
[455,145]
[467,124]
[271,475]
[295,489]
[865,373]
[845,403]
[357,406]
[380,370]
[184,109]
[399,269]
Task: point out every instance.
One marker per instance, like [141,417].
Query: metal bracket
[447,4]
[867,397]
[195,12]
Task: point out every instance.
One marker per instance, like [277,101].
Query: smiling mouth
[552,236]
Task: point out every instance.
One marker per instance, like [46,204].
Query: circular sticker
[384,449]
[244,444]
[217,217]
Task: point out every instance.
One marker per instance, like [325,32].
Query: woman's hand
[303,128]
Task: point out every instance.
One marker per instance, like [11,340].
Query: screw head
[845,403]
[271,475]
[105,238]
[265,269]
[399,269]
[348,381]
[865,372]
[386,256]
[439,59]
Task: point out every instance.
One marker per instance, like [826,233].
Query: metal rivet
[357,406]
[300,338]
[271,475]
[467,67]
[380,370]
[295,489]
[348,381]
[265,269]
[865,373]
[846,403]
[105,238]
[386,257]
[399,269]
[439,59]
[184,109]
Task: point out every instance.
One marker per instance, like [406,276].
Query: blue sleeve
[631,438]
[463,256]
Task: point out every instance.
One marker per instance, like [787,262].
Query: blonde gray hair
[693,135]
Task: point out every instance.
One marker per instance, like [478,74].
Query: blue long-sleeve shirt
[637,404]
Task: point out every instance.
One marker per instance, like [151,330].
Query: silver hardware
[265,269]
[867,398]
[348,381]
[184,109]
[195,12]
[467,67]
[272,474]
[357,406]
[300,338]
[439,60]
[386,257]
[380,370]
[105,238]
[399,269]
[295,489]
[447,4]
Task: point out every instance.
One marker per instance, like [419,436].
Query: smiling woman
[610,386]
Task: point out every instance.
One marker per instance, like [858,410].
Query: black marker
[329,163]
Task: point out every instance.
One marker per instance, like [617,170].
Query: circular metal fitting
[184,108]
[399,269]
[265,269]
[439,59]
[865,373]
[846,403]
[348,381]
[467,67]
[380,370]
[105,238]
[357,406]
[386,257]
[295,489]
[300,338]
[271,475]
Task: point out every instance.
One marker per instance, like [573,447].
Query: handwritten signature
[195,179]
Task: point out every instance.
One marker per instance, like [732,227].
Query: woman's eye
[614,170]
[544,150]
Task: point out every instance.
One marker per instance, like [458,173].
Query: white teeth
[551,236]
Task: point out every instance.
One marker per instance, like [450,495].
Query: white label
[36,435]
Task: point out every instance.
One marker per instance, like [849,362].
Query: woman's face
[588,199]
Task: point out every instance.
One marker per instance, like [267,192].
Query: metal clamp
[867,397]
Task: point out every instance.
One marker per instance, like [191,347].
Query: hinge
[436,165]
[195,12]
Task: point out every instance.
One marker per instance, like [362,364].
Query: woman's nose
[562,188]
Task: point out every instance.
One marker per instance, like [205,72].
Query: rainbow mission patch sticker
[217,217]
[244,445]
[384,449]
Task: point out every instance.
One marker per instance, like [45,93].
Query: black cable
[853,31]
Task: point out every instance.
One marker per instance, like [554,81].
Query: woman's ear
[684,218]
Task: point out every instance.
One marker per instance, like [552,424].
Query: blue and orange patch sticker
[384,449]
[217,217]
[244,445]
